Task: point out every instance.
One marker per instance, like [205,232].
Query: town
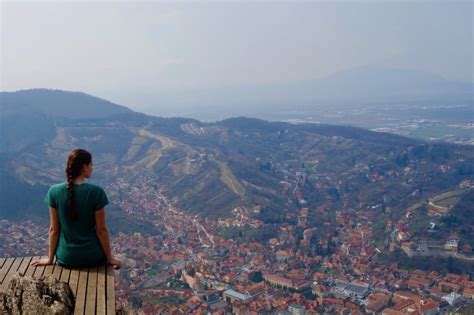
[187,266]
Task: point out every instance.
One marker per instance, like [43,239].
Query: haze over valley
[240,180]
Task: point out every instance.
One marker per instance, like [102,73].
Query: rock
[48,300]
[26,295]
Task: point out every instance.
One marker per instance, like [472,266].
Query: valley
[200,211]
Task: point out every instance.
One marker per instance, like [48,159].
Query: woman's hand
[116,263]
[42,262]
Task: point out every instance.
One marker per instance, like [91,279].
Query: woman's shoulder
[95,187]
[58,186]
[57,189]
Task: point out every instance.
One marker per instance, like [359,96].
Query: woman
[78,235]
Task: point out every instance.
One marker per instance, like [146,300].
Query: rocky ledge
[26,295]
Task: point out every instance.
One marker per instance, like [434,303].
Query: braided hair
[76,160]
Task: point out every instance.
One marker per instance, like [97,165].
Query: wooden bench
[93,288]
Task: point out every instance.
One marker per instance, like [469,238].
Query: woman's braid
[70,192]
[75,162]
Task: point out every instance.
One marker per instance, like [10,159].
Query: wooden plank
[48,270]
[14,267]
[65,274]
[5,268]
[24,265]
[81,292]
[39,270]
[57,271]
[31,269]
[110,285]
[2,261]
[91,291]
[101,291]
[73,280]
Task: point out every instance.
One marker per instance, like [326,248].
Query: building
[349,289]
[282,255]
[296,309]
[284,282]
[448,287]
[469,293]
[452,245]
[453,298]
[233,295]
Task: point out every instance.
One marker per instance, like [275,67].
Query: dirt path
[229,179]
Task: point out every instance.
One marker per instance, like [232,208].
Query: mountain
[59,104]
[367,86]
[18,198]
[30,116]
[211,168]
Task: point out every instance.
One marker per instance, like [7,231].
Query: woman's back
[78,237]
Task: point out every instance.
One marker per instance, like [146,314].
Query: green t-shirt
[78,242]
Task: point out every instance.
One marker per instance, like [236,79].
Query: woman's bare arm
[53,238]
[103,235]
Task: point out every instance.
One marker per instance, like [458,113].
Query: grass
[447,195]
[448,202]
[416,206]
[406,267]
[153,272]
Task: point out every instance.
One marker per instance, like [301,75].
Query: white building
[453,298]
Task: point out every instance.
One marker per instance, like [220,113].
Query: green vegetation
[240,162]
[191,272]
[457,222]
[450,195]
[153,272]
[308,294]
[177,284]
[248,234]
[256,276]
[119,221]
[436,263]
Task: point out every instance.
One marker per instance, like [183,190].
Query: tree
[451,264]
[136,302]
[256,276]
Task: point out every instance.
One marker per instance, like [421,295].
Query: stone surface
[26,295]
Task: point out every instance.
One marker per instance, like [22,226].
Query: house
[448,287]
[453,298]
[282,255]
[320,290]
[403,236]
[452,245]
[391,311]
[376,302]
[468,293]
[296,309]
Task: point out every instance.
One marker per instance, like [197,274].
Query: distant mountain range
[362,86]
[213,167]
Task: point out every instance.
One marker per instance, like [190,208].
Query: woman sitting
[78,235]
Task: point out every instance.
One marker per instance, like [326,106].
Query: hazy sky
[119,50]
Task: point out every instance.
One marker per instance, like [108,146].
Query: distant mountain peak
[63,104]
